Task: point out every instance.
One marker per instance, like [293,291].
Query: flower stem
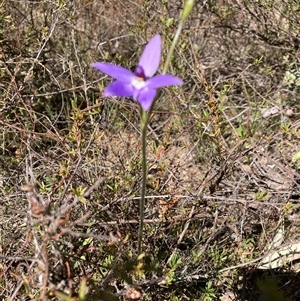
[170,52]
[144,126]
[169,56]
[185,13]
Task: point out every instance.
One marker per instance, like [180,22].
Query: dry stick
[81,72]
[45,41]
[20,285]
[186,226]
[98,182]
[46,271]
[15,257]
[84,235]
[69,90]
[156,220]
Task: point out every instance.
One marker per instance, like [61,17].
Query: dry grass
[223,175]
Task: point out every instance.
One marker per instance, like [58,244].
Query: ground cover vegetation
[222,203]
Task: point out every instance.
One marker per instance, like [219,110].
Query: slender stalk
[170,52]
[185,13]
[144,126]
[169,56]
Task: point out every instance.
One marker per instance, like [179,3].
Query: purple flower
[141,85]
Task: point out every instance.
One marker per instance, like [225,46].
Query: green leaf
[296,157]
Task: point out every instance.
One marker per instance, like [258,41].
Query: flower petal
[146,98]
[163,80]
[117,72]
[150,57]
[118,88]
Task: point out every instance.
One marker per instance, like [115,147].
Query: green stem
[169,56]
[144,126]
[170,53]
[185,13]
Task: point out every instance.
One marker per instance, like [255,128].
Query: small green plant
[292,78]
[208,293]
[241,131]
[262,195]
[197,255]
[218,256]
[174,262]
[173,298]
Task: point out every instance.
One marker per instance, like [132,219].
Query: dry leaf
[164,205]
[281,257]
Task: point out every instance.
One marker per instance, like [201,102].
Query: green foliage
[218,257]
[208,293]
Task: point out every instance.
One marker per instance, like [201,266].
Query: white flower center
[138,83]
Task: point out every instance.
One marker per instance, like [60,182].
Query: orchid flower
[141,84]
